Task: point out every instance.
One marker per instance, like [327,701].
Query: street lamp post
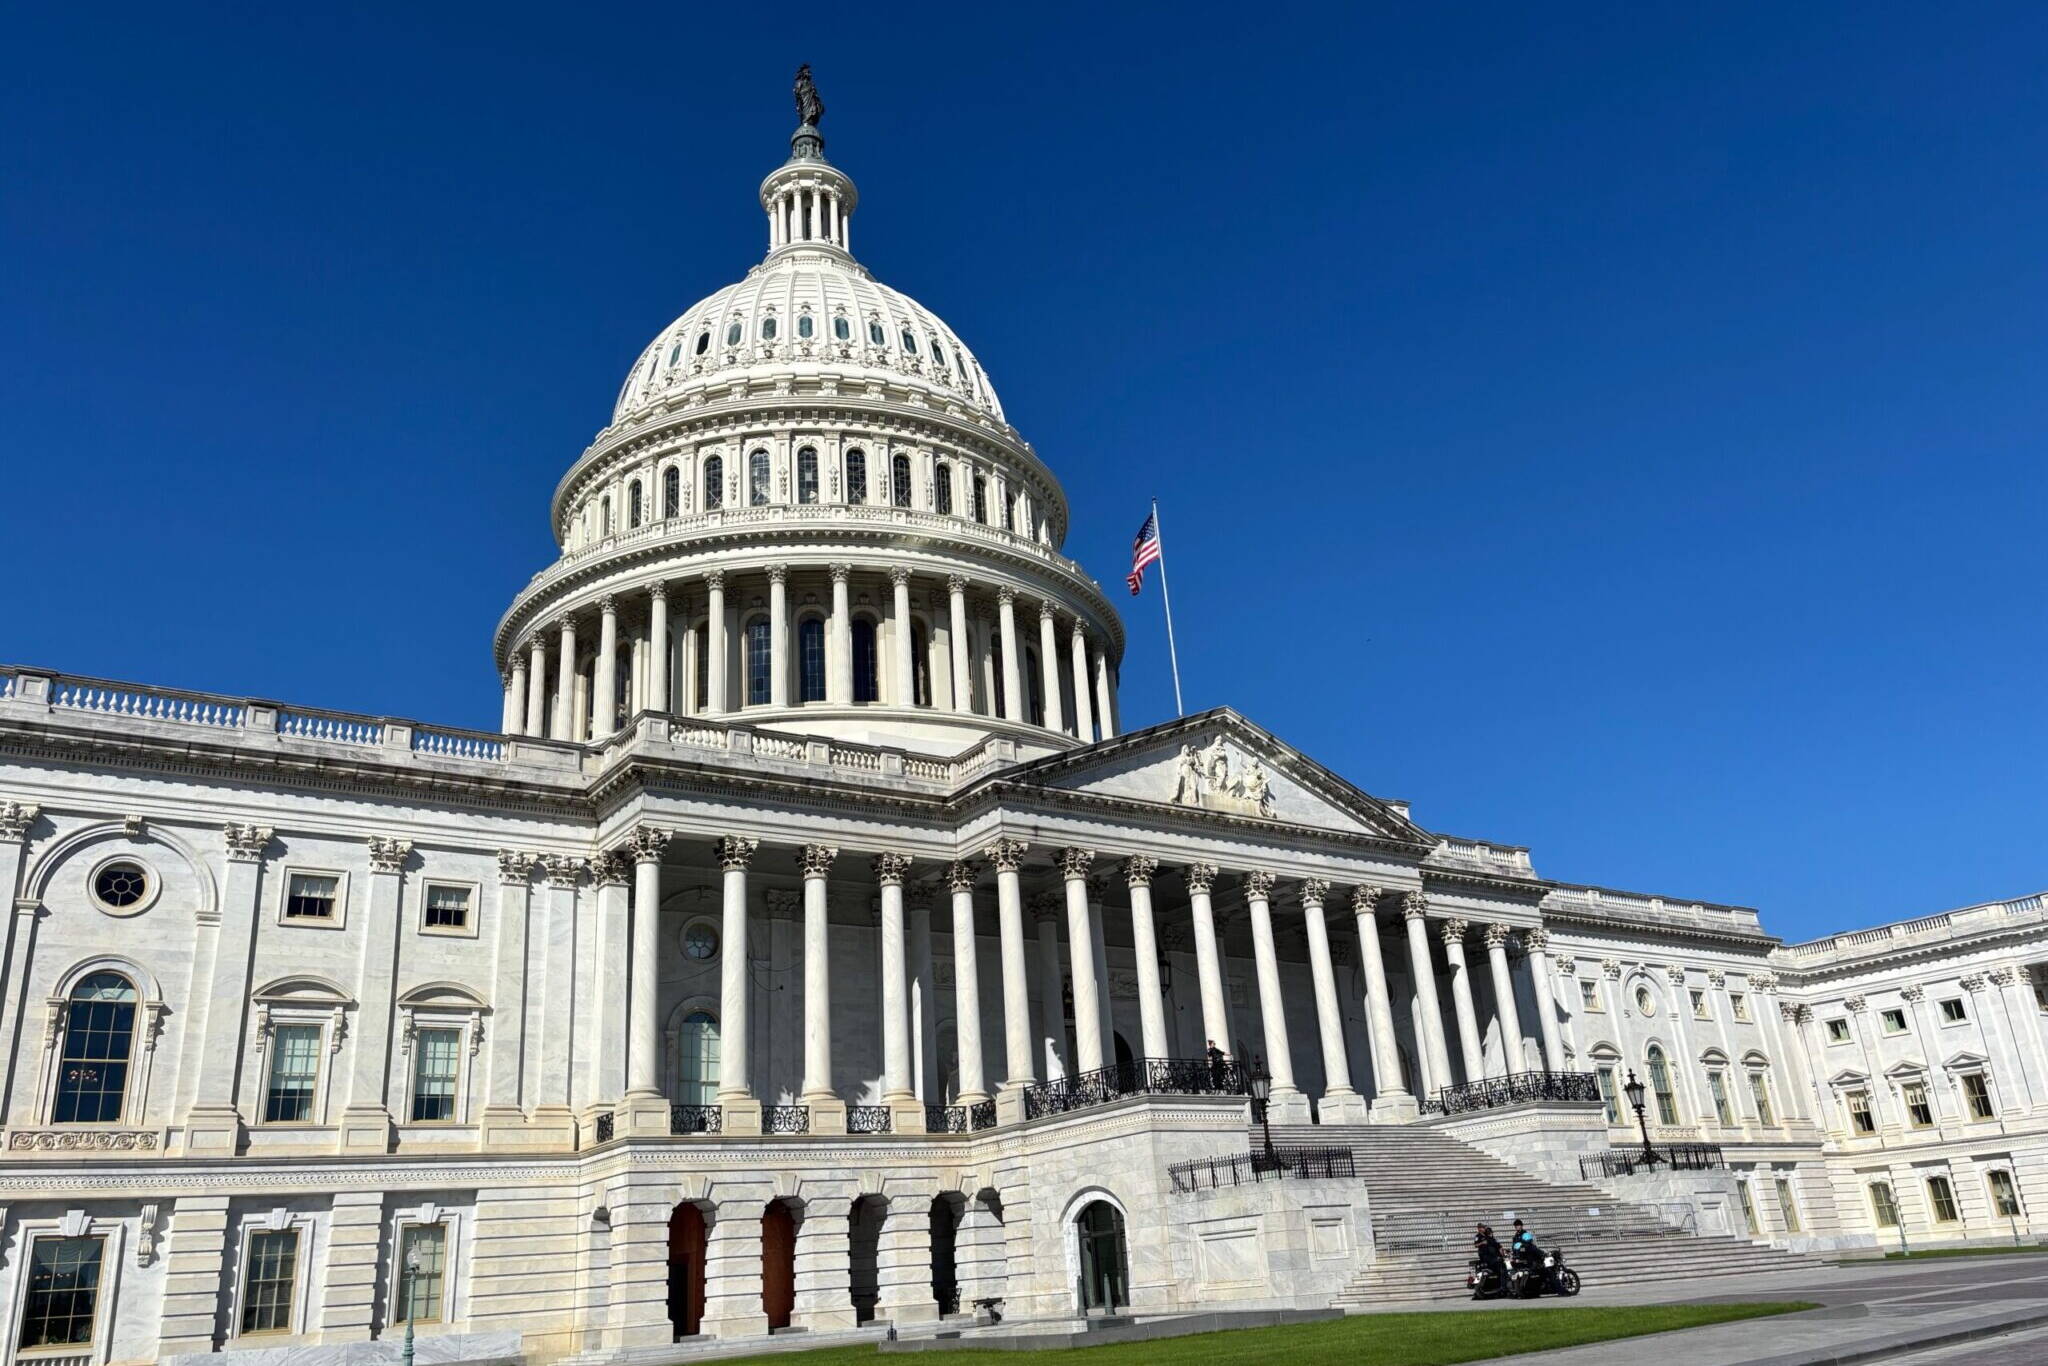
[1633,1089]
[412,1269]
[1259,1082]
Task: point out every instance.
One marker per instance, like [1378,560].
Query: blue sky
[1614,430]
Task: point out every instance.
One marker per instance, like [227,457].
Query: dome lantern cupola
[807,198]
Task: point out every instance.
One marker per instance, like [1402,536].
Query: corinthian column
[1415,909]
[717,664]
[565,684]
[1074,866]
[1537,942]
[741,1112]
[1052,1012]
[1504,1007]
[817,1083]
[537,687]
[966,987]
[1013,670]
[1287,1105]
[1084,715]
[840,691]
[515,699]
[1008,857]
[1461,1000]
[657,650]
[604,704]
[1341,1103]
[1390,1099]
[1138,871]
[778,635]
[897,1092]
[646,1112]
[1049,667]
[963,672]
[906,662]
[1201,878]
[1105,705]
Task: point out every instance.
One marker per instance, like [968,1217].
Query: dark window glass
[1034,689]
[920,667]
[447,908]
[856,476]
[63,1292]
[840,329]
[995,653]
[421,1277]
[433,1078]
[875,333]
[899,481]
[99,1038]
[604,515]
[938,351]
[981,499]
[804,325]
[675,353]
[671,492]
[267,1284]
[703,341]
[294,1069]
[714,483]
[733,334]
[866,684]
[757,479]
[760,662]
[768,328]
[633,505]
[1005,505]
[909,342]
[703,668]
[807,475]
[942,489]
[810,644]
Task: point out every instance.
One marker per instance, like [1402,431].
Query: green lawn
[1363,1340]
[2005,1251]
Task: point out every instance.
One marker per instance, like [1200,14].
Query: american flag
[1144,551]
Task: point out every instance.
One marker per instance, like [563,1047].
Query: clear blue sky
[1615,431]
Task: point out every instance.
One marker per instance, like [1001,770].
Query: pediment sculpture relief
[1203,778]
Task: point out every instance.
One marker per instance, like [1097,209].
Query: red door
[686,1240]
[778,1265]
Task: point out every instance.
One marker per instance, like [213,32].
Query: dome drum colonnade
[1077,907]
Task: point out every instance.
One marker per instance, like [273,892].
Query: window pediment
[303,990]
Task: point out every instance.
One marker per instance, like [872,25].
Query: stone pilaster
[732,1271]
[824,1255]
[348,1292]
[213,1126]
[504,1115]
[903,1262]
[195,1267]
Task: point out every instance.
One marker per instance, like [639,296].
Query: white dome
[758,326]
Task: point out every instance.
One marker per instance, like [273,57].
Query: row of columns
[1341,1102]
[564,701]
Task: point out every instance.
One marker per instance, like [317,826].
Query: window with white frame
[447,908]
[61,1306]
[2005,1196]
[270,1269]
[1838,1031]
[1610,1095]
[698,1054]
[289,1093]
[1699,1004]
[1941,1200]
[1788,1204]
[1589,995]
[1860,1117]
[1660,1084]
[1760,1092]
[1977,1096]
[436,1072]
[1919,1112]
[1749,1218]
[99,1041]
[1738,1006]
[422,1272]
[1717,1087]
[1883,1206]
[1894,1020]
[312,898]
[1953,1011]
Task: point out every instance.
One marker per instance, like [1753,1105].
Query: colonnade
[1024,1041]
[726,642]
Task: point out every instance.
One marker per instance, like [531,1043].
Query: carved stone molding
[562,869]
[778,573]
[610,869]
[516,865]
[1497,936]
[1076,863]
[1365,898]
[145,1234]
[246,843]
[388,853]
[1314,890]
[891,868]
[1139,870]
[1201,877]
[1005,597]
[816,859]
[1259,886]
[82,1140]
[735,852]
[1453,931]
[1414,905]
[715,581]
[1048,906]
[839,573]
[1007,854]
[783,904]
[960,876]
[647,843]
[956,583]
[608,605]
[1913,992]
[16,818]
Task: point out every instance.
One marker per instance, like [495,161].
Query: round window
[700,942]
[122,886]
[1646,1004]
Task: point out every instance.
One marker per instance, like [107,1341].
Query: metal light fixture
[1633,1089]
[412,1270]
[1259,1085]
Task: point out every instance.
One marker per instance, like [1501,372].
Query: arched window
[699,1055]
[995,654]
[633,505]
[866,679]
[99,1036]
[1105,1262]
[1008,520]
[920,667]
[807,475]
[671,492]
[703,341]
[760,662]
[804,326]
[899,481]
[734,333]
[675,353]
[1660,1085]
[714,483]
[604,515]
[909,343]
[875,336]
[757,479]
[856,476]
[1034,689]
[704,668]
[768,328]
[980,508]
[942,488]
[810,653]
[840,329]
[938,351]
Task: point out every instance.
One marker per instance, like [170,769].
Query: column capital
[778,573]
[899,576]
[1453,931]
[735,852]
[1611,968]
[1497,935]
[715,581]
[1201,877]
[1913,992]
[1081,630]
[960,875]
[1048,906]
[246,843]
[1716,977]
[891,868]
[1366,897]
[1005,596]
[658,591]
[388,854]
[1675,975]
[840,572]
[1075,863]
[608,869]
[2004,975]
[1536,940]
[17,817]
[956,583]
[647,843]
[563,869]
[608,605]
[1765,982]
[816,859]
[1258,886]
[1414,905]
[1314,890]
[1138,870]
[1856,1003]
[1007,854]
[1046,610]
[565,624]
[1970,982]
[504,677]
[516,865]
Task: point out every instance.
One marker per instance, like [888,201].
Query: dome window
[938,351]
[841,329]
[899,481]
[942,489]
[675,353]
[980,508]
[909,343]
[804,326]
[807,475]
[671,492]
[768,328]
[856,476]
[757,478]
[633,505]
[604,518]
[714,483]
[703,341]
[734,333]
[876,337]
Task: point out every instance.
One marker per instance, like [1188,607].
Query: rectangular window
[1699,1004]
[1860,1118]
[1760,1092]
[447,907]
[422,1262]
[2005,1197]
[311,896]
[1977,1094]
[436,1053]
[1894,1021]
[1717,1086]
[267,1282]
[1788,1208]
[62,1307]
[856,477]
[1942,1198]
[1748,1208]
[294,1070]
[1589,994]
[1883,1206]
[1738,1005]
[1918,1111]
[1953,1011]
[1609,1095]
[1838,1031]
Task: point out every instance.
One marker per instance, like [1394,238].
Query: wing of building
[812,948]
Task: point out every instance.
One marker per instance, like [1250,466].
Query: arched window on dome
[856,476]
[810,654]
[604,515]
[703,667]
[841,329]
[807,475]
[768,328]
[760,663]
[995,656]
[99,1039]
[938,352]
[899,481]
[757,479]
[703,341]
[633,505]
[942,488]
[920,666]
[804,326]
[866,673]
[1009,516]
[734,332]
[671,492]
[909,343]
[876,337]
[714,483]
[675,352]
[1034,688]
[980,508]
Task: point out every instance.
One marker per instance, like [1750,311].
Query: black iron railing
[786,1119]
[1237,1169]
[1677,1157]
[1139,1077]
[606,1128]
[1514,1089]
[982,1115]
[866,1119]
[695,1119]
[945,1119]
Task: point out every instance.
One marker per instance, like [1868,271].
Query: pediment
[1218,763]
[1965,1061]
[1849,1077]
[1905,1070]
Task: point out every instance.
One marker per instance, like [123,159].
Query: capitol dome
[810,514]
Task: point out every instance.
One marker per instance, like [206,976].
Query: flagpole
[1172,652]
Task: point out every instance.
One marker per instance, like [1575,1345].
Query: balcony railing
[982,1115]
[1237,1169]
[607,1128]
[1514,1089]
[1677,1157]
[867,1119]
[945,1119]
[1139,1077]
[695,1119]
[786,1119]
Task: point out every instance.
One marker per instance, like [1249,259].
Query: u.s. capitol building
[813,948]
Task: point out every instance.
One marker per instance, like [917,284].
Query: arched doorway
[864,1244]
[946,1212]
[778,1264]
[686,1240]
[1105,1265]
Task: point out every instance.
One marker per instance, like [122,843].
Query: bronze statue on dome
[809,108]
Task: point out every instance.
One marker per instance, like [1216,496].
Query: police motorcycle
[1547,1272]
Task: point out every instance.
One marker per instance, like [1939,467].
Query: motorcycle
[1548,1272]
[1486,1284]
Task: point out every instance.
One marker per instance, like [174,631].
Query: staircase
[1428,1189]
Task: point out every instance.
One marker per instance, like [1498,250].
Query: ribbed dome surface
[759,326]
